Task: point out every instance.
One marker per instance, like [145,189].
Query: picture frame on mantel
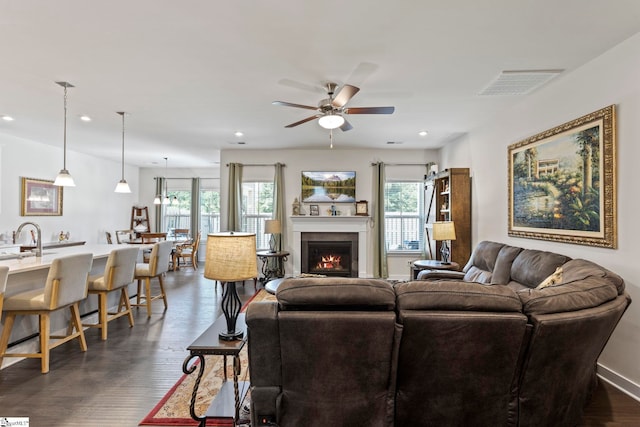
[562,183]
[314,210]
[39,197]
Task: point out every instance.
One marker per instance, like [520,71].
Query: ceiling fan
[331,110]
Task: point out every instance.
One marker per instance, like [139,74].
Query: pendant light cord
[122,145]
[64,158]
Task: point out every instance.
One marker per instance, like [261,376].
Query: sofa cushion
[531,267]
[504,261]
[475,274]
[576,295]
[579,269]
[484,256]
[341,293]
[455,295]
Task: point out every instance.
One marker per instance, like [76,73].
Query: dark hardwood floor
[118,381]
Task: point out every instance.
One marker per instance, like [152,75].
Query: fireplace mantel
[334,224]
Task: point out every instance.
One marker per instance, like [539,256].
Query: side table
[228,400]
[272,264]
[431,264]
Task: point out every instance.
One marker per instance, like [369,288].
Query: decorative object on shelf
[273,227]
[122,186]
[295,207]
[40,197]
[562,184]
[231,257]
[314,210]
[362,208]
[64,178]
[444,231]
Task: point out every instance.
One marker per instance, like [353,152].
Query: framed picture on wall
[39,197]
[562,182]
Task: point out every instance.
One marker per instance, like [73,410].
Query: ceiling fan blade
[302,86]
[369,110]
[308,119]
[345,94]
[346,126]
[289,104]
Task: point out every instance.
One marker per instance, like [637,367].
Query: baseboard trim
[623,384]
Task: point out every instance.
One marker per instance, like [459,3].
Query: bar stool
[118,273]
[157,266]
[65,286]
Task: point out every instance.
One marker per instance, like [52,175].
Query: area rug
[173,409]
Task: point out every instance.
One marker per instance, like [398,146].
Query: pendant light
[166,199]
[64,178]
[122,186]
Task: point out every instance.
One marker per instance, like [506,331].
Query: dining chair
[4,275]
[118,274]
[64,287]
[181,234]
[158,265]
[153,237]
[187,251]
[123,235]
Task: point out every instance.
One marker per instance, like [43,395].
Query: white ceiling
[190,73]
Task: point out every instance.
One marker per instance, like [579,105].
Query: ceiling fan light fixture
[331,121]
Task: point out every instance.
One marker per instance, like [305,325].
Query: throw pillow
[554,278]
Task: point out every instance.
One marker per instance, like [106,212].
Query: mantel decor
[562,183]
[40,197]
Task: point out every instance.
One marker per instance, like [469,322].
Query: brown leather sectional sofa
[480,347]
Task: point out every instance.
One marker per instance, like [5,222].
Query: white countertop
[31,263]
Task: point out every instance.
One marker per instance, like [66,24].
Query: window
[257,206]
[404,215]
[209,206]
[177,214]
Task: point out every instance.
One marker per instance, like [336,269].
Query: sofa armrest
[264,344]
[440,274]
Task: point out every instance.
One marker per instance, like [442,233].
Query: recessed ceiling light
[239,134]
[7,118]
[85,118]
[423,133]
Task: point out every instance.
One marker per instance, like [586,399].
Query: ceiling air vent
[518,82]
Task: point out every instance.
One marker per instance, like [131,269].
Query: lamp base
[231,305]
[234,336]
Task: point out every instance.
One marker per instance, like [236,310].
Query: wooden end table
[227,402]
[432,264]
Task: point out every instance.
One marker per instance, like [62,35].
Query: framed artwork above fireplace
[328,187]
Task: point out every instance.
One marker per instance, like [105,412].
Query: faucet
[37,227]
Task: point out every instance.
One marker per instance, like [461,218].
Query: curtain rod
[199,177]
[258,164]
[403,164]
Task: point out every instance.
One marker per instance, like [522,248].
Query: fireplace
[330,254]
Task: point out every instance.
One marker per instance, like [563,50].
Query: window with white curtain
[257,206]
[404,215]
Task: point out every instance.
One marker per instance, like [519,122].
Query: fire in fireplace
[330,254]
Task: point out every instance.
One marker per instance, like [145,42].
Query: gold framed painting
[562,182]
[39,197]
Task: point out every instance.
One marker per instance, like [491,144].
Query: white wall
[609,79]
[89,209]
[327,159]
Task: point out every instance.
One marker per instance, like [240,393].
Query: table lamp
[231,257]
[272,226]
[444,231]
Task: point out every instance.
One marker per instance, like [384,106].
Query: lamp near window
[273,227]
[231,257]
[444,231]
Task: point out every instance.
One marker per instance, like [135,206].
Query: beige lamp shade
[231,257]
[444,230]
[272,226]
